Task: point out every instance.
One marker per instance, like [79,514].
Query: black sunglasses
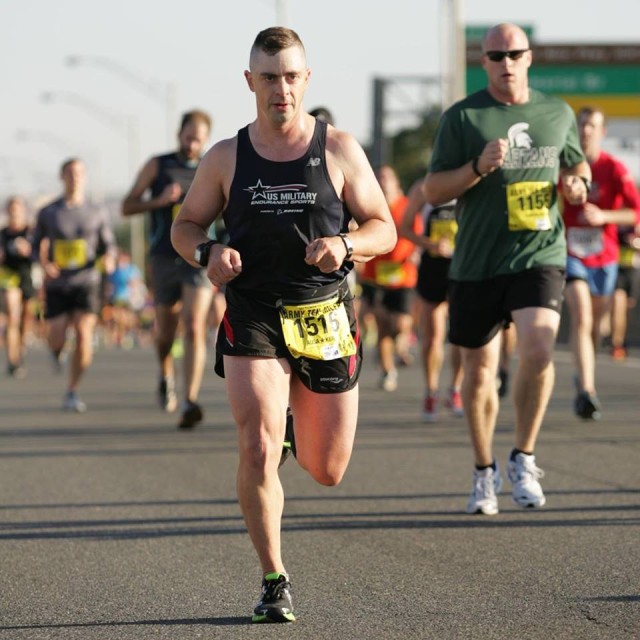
[499,56]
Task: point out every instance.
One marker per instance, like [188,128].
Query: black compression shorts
[251,327]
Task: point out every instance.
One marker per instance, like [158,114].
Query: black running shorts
[169,274]
[433,279]
[393,300]
[479,309]
[251,327]
[83,298]
[629,281]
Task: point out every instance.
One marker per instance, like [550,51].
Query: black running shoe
[587,406]
[275,601]
[191,415]
[289,444]
[167,398]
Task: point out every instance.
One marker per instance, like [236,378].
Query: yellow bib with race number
[70,254]
[317,330]
[627,255]
[528,205]
[9,279]
[442,230]
[389,273]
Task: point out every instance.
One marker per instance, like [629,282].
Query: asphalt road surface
[115,525]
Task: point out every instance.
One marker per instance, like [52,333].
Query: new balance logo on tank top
[275,209]
[171,168]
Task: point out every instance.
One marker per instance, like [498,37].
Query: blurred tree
[410,149]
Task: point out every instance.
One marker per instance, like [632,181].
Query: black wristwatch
[201,254]
[347,244]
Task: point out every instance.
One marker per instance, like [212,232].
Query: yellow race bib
[528,204]
[317,330]
[9,279]
[70,254]
[389,273]
[627,257]
[175,210]
[443,229]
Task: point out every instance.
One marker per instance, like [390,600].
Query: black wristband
[587,183]
[474,166]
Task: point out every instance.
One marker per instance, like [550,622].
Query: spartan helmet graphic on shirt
[518,136]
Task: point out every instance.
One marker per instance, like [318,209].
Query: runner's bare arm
[441,187]
[573,184]
[354,180]
[414,206]
[135,202]
[205,201]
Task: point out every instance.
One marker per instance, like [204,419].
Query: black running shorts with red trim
[251,327]
[479,309]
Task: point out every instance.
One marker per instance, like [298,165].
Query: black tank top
[170,169]
[274,209]
[12,259]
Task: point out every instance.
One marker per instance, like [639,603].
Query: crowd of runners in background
[401,297]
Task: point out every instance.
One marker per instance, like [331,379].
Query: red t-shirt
[395,269]
[612,189]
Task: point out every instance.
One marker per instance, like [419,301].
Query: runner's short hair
[195,116]
[589,110]
[323,114]
[275,39]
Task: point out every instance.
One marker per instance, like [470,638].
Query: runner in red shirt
[593,250]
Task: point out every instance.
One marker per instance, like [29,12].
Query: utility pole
[453,52]
[282,13]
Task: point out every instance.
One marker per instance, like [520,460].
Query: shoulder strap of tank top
[244,142]
[319,139]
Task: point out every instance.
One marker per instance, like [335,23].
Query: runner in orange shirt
[388,283]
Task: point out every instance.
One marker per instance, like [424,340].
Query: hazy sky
[200,49]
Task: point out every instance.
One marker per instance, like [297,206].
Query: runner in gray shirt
[70,235]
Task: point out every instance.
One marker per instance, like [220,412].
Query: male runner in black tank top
[288,187]
[181,292]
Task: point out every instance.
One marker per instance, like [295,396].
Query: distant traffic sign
[604,74]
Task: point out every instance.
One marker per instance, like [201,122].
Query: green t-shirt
[509,221]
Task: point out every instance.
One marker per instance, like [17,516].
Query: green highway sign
[571,79]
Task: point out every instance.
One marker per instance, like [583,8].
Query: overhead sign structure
[604,75]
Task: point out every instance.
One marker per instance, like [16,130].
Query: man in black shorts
[70,235]
[500,152]
[288,185]
[180,291]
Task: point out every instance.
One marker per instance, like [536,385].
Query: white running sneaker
[72,402]
[484,494]
[389,381]
[524,476]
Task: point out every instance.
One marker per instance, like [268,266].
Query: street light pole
[453,52]
[165,96]
[282,13]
